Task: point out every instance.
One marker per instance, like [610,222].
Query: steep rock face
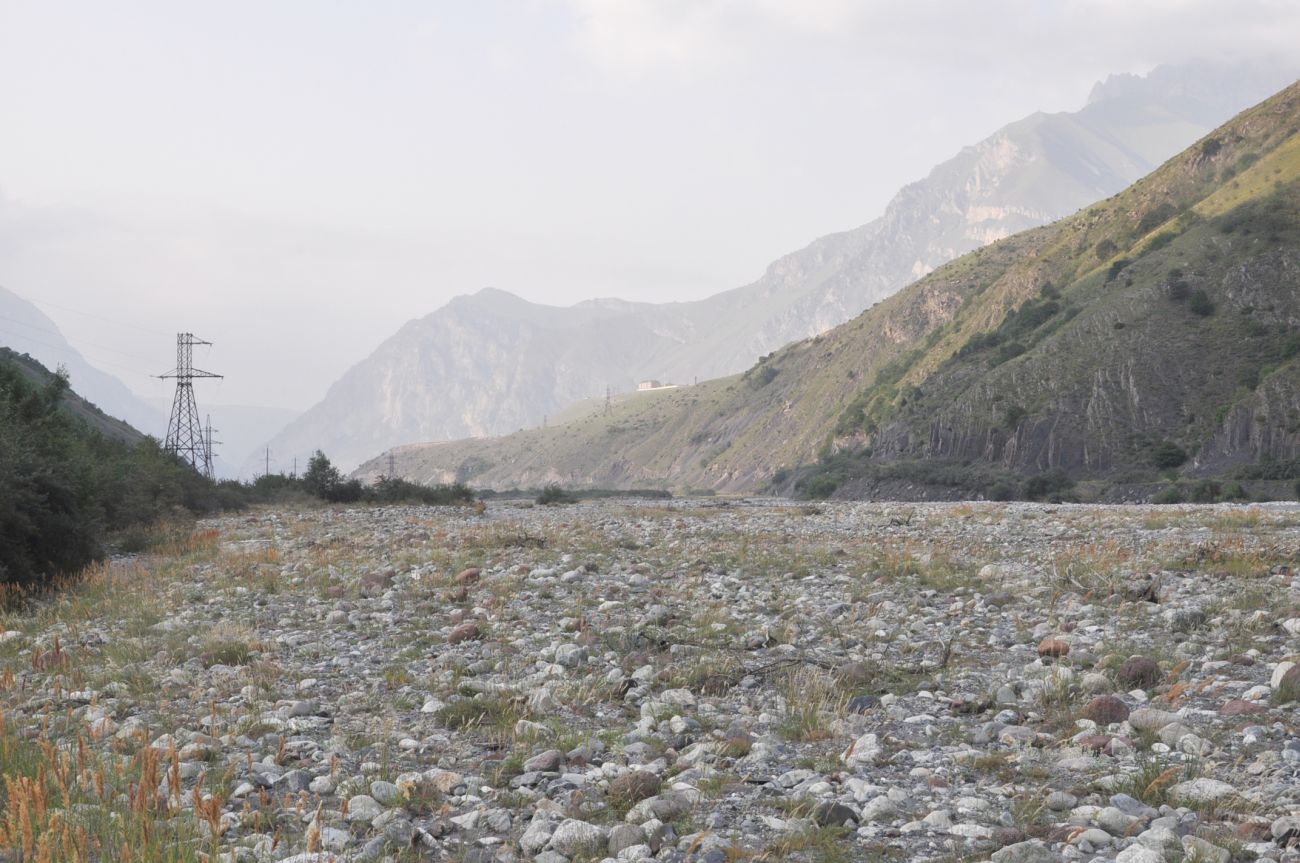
[490,363]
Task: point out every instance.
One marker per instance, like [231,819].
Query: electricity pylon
[185,434]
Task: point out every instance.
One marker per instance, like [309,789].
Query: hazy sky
[294,180]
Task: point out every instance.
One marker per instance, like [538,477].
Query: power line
[61,335]
[48,304]
[64,352]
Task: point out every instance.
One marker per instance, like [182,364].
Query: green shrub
[1167,454]
[1234,491]
[1199,303]
[395,490]
[1206,491]
[1048,485]
[762,377]
[1169,494]
[554,494]
[817,487]
[1002,491]
[65,487]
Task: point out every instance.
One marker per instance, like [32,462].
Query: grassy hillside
[1150,332]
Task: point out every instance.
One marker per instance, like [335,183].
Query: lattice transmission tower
[186,436]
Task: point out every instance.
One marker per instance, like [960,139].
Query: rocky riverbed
[686,681]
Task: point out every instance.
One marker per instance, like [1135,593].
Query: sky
[295,179]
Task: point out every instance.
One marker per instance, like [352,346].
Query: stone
[1138,672]
[1053,647]
[1150,719]
[828,813]
[385,793]
[1286,831]
[1115,821]
[864,750]
[1105,710]
[623,836]
[464,632]
[633,787]
[573,837]
[1060,801]
[545,762]
[1287,686]
[1198,792]
[1239,707]
[570,655]
[879,808]
[1138,853]
[363,808]
[537,834]
[1195,848]
[1029,851]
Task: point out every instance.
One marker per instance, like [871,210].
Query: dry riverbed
[688,681]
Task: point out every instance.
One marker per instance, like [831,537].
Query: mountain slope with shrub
[491,363]
[1152,332]
[25,329]
[70,475]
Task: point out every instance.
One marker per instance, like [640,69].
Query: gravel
[699,680]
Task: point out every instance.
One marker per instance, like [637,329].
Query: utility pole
[392,471]
[267,472]
[208,470]
[185,435]
[609,406]
[295,467]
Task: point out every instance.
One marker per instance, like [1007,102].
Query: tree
[322,477]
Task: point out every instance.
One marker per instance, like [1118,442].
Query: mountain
[491,363]
[72,403]
[27,330]
[1153,332]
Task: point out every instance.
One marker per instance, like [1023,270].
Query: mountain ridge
[429,380]
[1152,331]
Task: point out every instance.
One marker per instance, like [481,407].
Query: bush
[1048,485]
[554,494]
[1199,303]
[1206,491]
[64,487]
[394,490]
[762,377]
[1002,491]
[322,477]
[1167,454]
[817,487]
[1169,494]
[1234,491]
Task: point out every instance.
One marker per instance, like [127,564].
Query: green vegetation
[65,488]
[555,494]
[69,489]
[324,481]
[967,479]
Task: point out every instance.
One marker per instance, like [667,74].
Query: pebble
[605,675]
